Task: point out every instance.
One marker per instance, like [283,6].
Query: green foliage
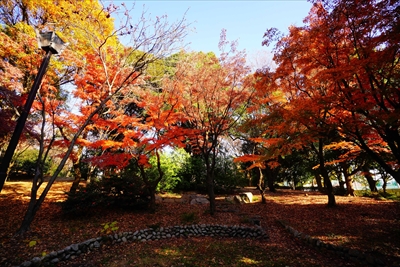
[227,175]
[107,192]
[171,164]
[380,195]
[110,227]
[25,163]
[192,175]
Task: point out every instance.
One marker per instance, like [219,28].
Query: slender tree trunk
[318,179]
[248,176]
[209,159]
[77,177]
[384,185]
[210,188]
[261,187]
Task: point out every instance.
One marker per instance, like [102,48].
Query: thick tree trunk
[347,179]
[349,185]
[370,179]
[28,218]
[271,177]
[325,175]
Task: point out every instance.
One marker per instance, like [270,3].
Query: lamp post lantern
[52,44]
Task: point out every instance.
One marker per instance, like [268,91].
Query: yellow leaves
[26,29]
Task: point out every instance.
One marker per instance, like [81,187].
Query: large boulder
[247,197]
[187,198]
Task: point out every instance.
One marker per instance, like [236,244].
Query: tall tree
[101,68]
[215,92]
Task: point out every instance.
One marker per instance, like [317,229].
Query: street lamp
[52,44]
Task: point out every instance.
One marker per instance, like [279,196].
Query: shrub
[189,217]
[107,192]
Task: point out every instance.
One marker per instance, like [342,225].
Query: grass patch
[215,253]
[197,252]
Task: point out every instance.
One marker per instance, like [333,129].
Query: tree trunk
[370,179]
[318,179]
[152,185]
[77,177]
[325,175]
[261,187]
[152,204]
[210,166]
[271,175]
[211,194]
[347,179]
[384,185]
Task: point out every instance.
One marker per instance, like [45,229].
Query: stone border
[201,230]
[351,254]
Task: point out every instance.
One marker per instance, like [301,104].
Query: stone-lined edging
[351,254]
[74,250]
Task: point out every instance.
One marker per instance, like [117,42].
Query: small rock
[75,247]
[26,264]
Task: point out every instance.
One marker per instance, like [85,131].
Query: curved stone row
[351,254]
[74,250]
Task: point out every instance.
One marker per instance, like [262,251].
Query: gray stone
[55,260]
[75,247]
[96,244]
[237,199]
[53,254]
[36,261]
[199,200]
[124,239]
[26,264]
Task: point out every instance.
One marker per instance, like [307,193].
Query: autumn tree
[101,68]
[336,77]
[353,52]
[214,93]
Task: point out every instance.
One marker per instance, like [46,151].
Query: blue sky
[244,21]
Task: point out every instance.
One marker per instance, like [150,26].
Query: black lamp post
[52,44]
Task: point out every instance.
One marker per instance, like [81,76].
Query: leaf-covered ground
[366,224]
